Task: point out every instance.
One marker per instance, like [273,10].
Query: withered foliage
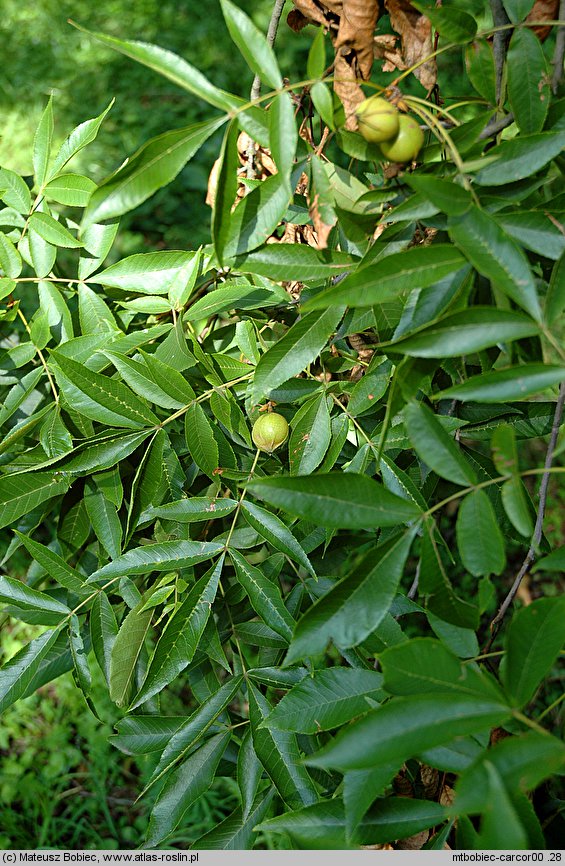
[351,24]
[415,31]
[543,10]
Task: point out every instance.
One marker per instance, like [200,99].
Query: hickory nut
[270,431]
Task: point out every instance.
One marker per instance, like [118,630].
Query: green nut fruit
[405,146]
[377,119]
[270,431]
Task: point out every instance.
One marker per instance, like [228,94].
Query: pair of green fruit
[398,135]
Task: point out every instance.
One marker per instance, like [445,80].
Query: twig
[495,126]
[500,42]
[413,591]
[538,529]
[559,52]
[256,86]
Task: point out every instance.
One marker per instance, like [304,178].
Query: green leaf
[316,63]
[449,197]
[523,761]
[160,556]
[99,397]
[15,192]
[141,735]
[310,437]
[256,216]
[10,259]
[149,273]
[83,134]
[534,638]
[14,592]
[104,454]
[128,645]
[195,509]
[200,440]
[435,446]
[495,255]
[153,166]
[479,61]
[179,641]
[146,484]
[535,230]
[103,632]
[283,135]
[520,158]
[19,672]
[195,727]
[479,539]
[73,190]
[97,240]
[253,46]
[55,566]
[17,394]
[272,529]
[517,10]
[225,190]
[241,296]
[336,500]
[327,700]
[390,277]
[510,383]
[323,825]
[95,315]
[423,665]
[236,832]
[516,506]
[104,519]
[528,81]
[42,143]
[436,586]
[138,377]
[279,754]
[180,72]
[184,786]
[81,668]
[356,605]
[404,727]
[555,298]
[500,826]
[264,595]
[53,303]
[301,344]
[249,772]
[361,788]
[293,262]
[453,24]
[22,493]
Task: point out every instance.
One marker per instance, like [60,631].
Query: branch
[559,52]
[499,43]
[495,126]
[538,529]
[256,86]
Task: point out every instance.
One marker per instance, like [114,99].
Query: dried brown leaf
[356,31]
[415,842]
[415,32]
[543,10]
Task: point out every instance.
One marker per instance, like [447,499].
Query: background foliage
[307,636]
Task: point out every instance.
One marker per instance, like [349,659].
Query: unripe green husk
[405,146]
[270,431]
[377,119]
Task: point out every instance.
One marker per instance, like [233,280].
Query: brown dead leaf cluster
[351,25]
